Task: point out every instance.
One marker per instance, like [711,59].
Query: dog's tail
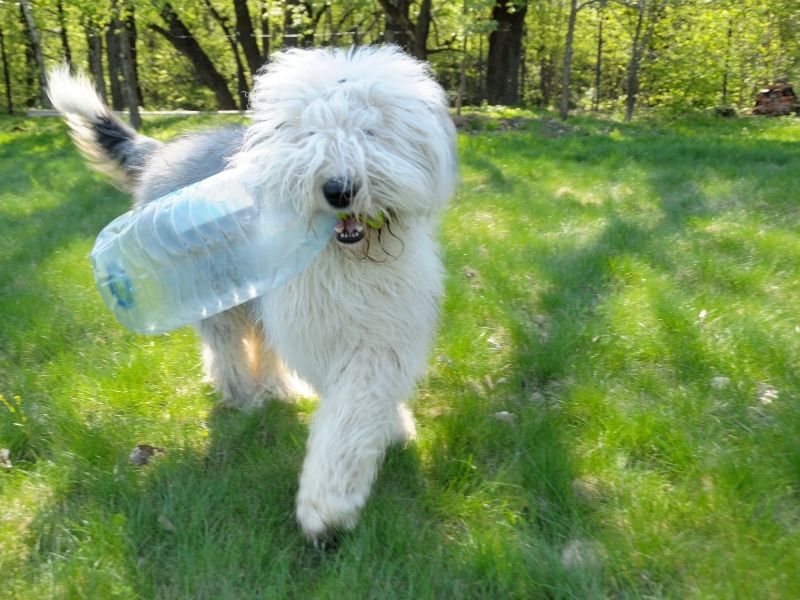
[105,140]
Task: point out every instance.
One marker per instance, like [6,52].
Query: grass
[627,294]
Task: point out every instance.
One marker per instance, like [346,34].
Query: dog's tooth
[359,228]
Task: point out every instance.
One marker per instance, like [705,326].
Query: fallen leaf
[469,272]
[142,454]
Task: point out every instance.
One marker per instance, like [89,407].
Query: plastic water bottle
[201,250]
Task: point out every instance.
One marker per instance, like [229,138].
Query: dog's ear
[424,102]
[443,154]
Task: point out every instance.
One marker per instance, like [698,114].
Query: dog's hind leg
[239,362]
[274,380]
[228,340]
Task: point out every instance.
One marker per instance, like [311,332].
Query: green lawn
[628,295]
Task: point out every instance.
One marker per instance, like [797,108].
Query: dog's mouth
[349,230]
[352,228]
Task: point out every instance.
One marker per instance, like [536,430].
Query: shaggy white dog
[364,133]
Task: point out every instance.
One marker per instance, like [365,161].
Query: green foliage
[701,54]
[750,41]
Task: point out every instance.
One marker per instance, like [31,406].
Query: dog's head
[364,133]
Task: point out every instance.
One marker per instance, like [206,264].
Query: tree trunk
[184,42]
[30,65]
[265,32]
[129,83]
[36,46]
[132,34]
[94,43]
[114,66]
[632,85]
[547,74]
[566,70]
[311,30]
[297,31]
[291,33]
[62,27]
[641,40]
[481,93]
[6,76]
[598,63]
[421,30]
[523,67]
[505,53]
[246,36]
[398,28]
[462,68]
[727,63]
[241,79]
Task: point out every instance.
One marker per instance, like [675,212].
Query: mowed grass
[612,407]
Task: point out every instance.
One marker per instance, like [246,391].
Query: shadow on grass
[480,508]
[576,279]
[495,175]
[214,523]
[50,198]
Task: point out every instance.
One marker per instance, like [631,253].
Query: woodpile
[776,100]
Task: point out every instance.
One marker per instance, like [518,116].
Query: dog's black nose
[339,192]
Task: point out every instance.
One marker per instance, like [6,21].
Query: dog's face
[364,133]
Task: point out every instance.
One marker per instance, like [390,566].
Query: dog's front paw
[330,505]
[323,519]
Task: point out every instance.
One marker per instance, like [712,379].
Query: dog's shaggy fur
[364,131]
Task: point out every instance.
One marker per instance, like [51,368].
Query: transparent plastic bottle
[201,250]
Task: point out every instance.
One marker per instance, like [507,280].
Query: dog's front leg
[362,413]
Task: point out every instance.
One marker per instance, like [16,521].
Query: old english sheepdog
[364,133]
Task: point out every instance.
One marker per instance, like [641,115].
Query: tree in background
[545,21]
[401,30]
[242,86]
[35,45]
[505,52]
[598,62]
[6,78]
[245,35]
[62,30]
[612,55]
[179,35]
[473,27]
[130,80]
[566,72]
[648,13]
[92,29]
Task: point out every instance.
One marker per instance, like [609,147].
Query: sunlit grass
[612,405]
